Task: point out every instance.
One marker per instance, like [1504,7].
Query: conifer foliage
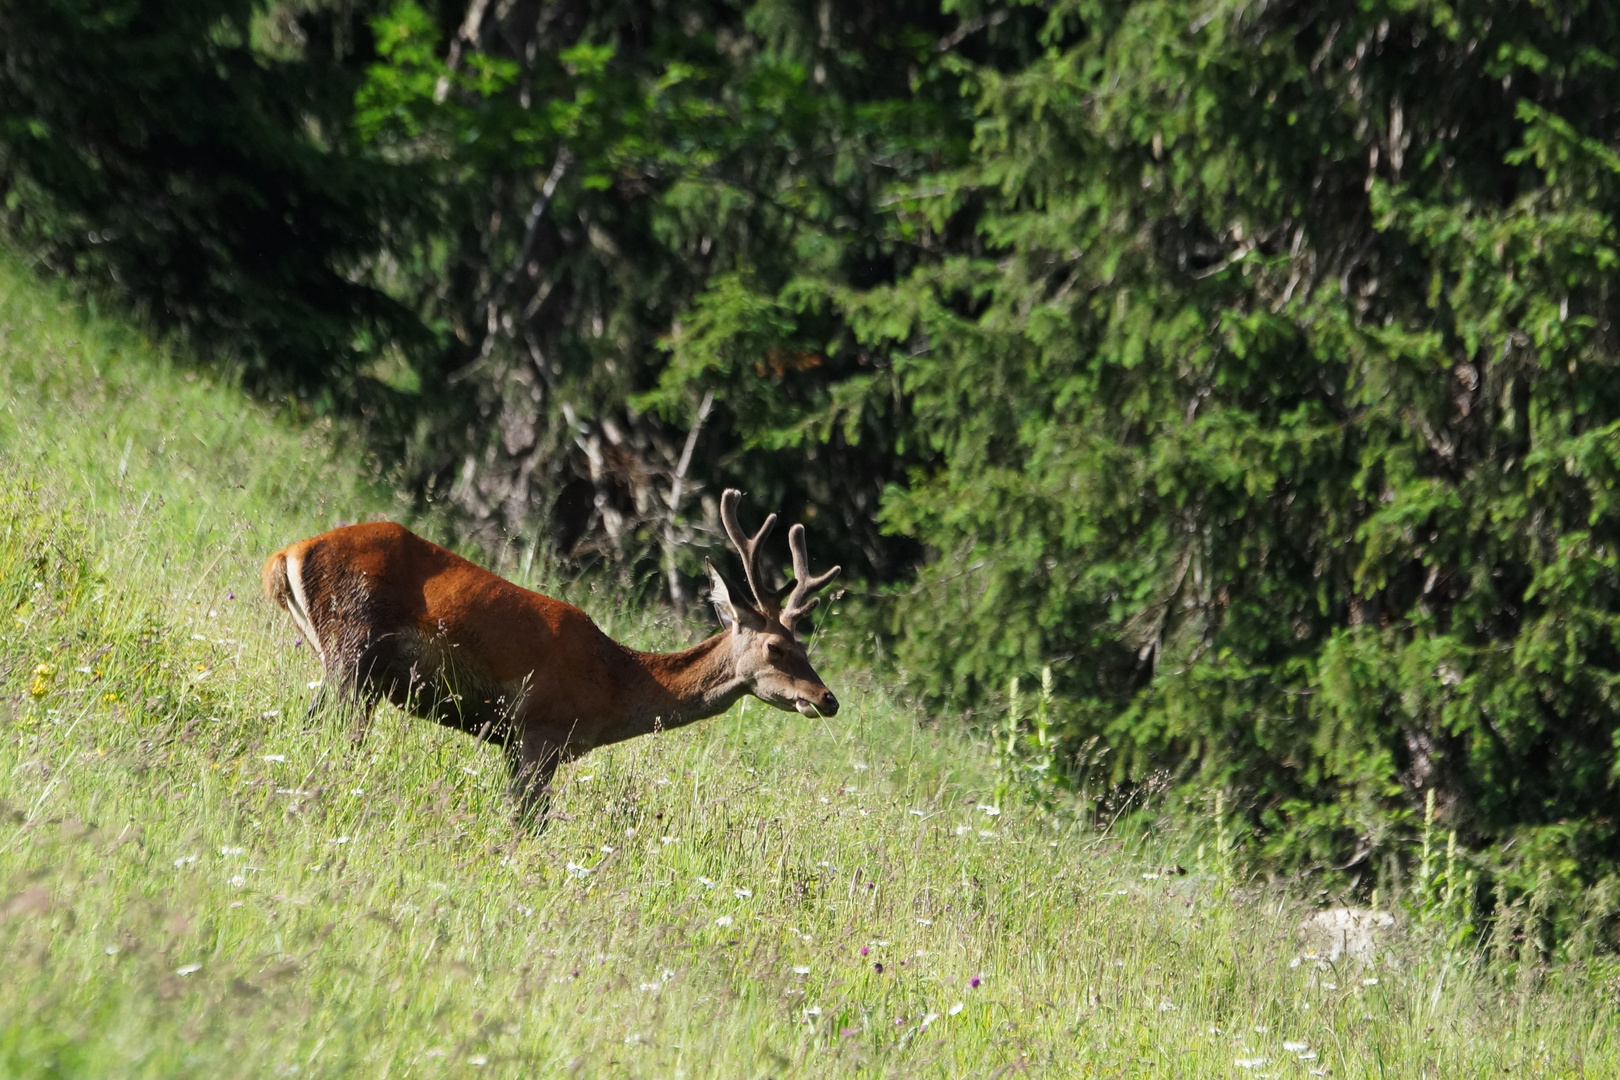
[1279,416]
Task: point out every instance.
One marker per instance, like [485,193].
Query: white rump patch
[299,608]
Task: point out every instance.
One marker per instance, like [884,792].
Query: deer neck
[666,690]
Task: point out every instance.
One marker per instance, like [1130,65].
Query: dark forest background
[1245,372]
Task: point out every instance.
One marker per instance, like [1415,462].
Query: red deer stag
[393,616]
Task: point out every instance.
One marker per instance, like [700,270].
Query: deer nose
[828,705]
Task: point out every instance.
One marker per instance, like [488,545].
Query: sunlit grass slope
[193,885]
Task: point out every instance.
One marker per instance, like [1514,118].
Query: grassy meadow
[194,882]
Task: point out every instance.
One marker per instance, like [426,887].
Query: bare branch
[676,594]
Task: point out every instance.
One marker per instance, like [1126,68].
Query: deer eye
[775,650]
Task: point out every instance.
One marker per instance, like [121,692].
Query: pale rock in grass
[1346,933]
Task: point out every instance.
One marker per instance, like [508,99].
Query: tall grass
[195,882]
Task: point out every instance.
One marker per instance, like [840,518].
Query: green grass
[192,884]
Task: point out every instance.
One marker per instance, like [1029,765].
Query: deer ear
[730,612]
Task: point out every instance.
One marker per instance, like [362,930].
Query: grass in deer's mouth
[194,883]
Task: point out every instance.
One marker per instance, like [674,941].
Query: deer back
[388,610]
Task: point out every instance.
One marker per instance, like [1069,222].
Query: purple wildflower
[864,950]
[974,982]
[878,968]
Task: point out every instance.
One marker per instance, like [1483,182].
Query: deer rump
[372,628]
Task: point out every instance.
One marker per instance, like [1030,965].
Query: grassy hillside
[193,884]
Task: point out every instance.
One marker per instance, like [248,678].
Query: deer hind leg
[356,705]
[532,758]
[380,670]
[317,702]
[365,706]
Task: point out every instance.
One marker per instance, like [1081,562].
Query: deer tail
[276,585]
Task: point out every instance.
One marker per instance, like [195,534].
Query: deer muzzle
[825,705]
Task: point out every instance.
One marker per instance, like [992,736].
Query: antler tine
[800,603]
[765,599]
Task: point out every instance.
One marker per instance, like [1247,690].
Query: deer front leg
[532,757]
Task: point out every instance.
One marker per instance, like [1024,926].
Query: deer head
[769,657]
